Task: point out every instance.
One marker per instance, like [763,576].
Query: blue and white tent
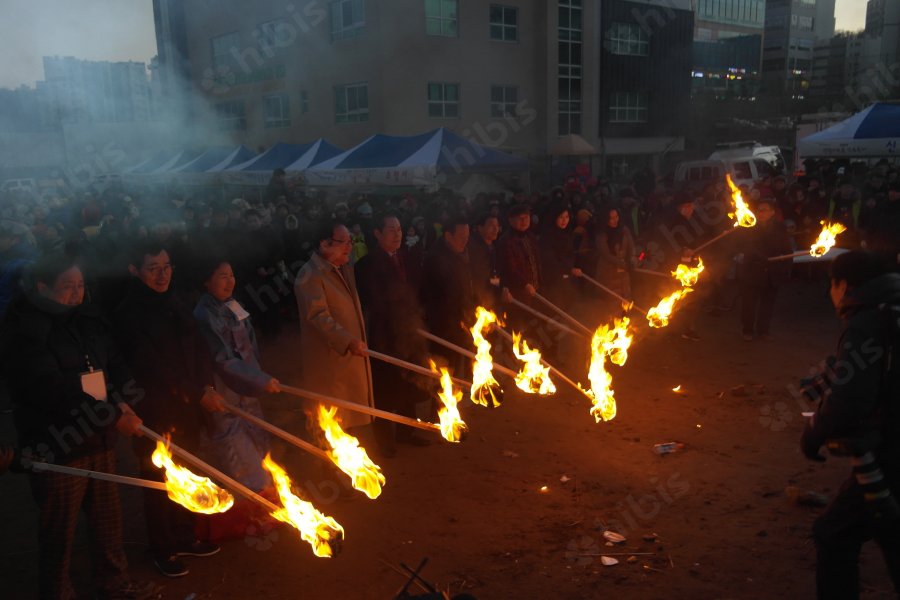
[411,160]
[257,171]
[874,132]
[217,159]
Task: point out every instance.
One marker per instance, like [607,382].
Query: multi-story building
[855,69]
[513,74]
[728,37]
[792,29]
[645,83]
[81,91]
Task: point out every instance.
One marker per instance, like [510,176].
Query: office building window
[267,35]
[442,17]
[304,102]
[627,39]
[504,99]
[348,19]
[351,103]
[443,100]
[232,115]
[504,23]
[277,110]
[225,48]
[628,107]
[569,66]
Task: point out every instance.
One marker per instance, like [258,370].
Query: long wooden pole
[39,467]
[278,432]
[463,351]
[650,272]
[715,239]
[553,369]
[541,315]
[403,364]
[236,486]
[572,320]
[621,298]
[367,410]
[791,256]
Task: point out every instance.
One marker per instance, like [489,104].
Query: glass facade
[569,68]
[748,13]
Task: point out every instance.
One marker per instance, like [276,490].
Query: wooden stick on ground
[367,410]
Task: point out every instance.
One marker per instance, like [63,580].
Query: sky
[123,30]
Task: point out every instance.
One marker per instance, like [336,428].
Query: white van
[697,174]
[749,151]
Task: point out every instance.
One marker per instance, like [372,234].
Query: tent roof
[872,132]
[317,152]
[572,145]
[438,148]
[216,157]
[282,155]
[156,161]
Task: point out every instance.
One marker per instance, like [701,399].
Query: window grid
[442,17]
[223,48]
[628,39]
[628,107]
[277,110]
[504,23]
[351,103]
[504,100]
[443,100]
[232,115]
[348,19]
[266,35]
[569,66]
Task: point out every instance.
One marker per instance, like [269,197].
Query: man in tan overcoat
[332,331]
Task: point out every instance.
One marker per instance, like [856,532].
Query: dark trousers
[395,394]
[60,499]
[170,527]
[757,308]
[839,535]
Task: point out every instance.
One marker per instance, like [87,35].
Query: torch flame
[659,315]
[688,276]
[452,425]
[612,343]
[534,378]
[314,527]
[349,457]
[483,382]
[742,214]
[195,493]
[826,239]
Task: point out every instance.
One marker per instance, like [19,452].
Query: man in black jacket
[859,416]
[171,363]
[71,388]
[387,287]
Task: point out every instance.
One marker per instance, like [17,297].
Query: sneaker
[132,590]
[199,548]
[171,567]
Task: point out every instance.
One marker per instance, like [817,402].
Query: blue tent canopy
[216,159]
[281,156]
[874,132]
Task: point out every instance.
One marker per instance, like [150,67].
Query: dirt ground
[477,510]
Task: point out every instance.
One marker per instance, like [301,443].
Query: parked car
[749,150]
[697,174]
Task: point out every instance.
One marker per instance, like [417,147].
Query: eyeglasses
[346,242]
[157,270]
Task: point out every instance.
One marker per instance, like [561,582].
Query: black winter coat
[46,347]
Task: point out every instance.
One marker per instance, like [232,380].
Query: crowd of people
[138,306]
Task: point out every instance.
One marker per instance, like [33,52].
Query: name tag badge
[93,384]
[235,307]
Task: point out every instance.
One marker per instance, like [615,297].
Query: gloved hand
[810,443]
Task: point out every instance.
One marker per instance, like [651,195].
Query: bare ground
[476,510]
